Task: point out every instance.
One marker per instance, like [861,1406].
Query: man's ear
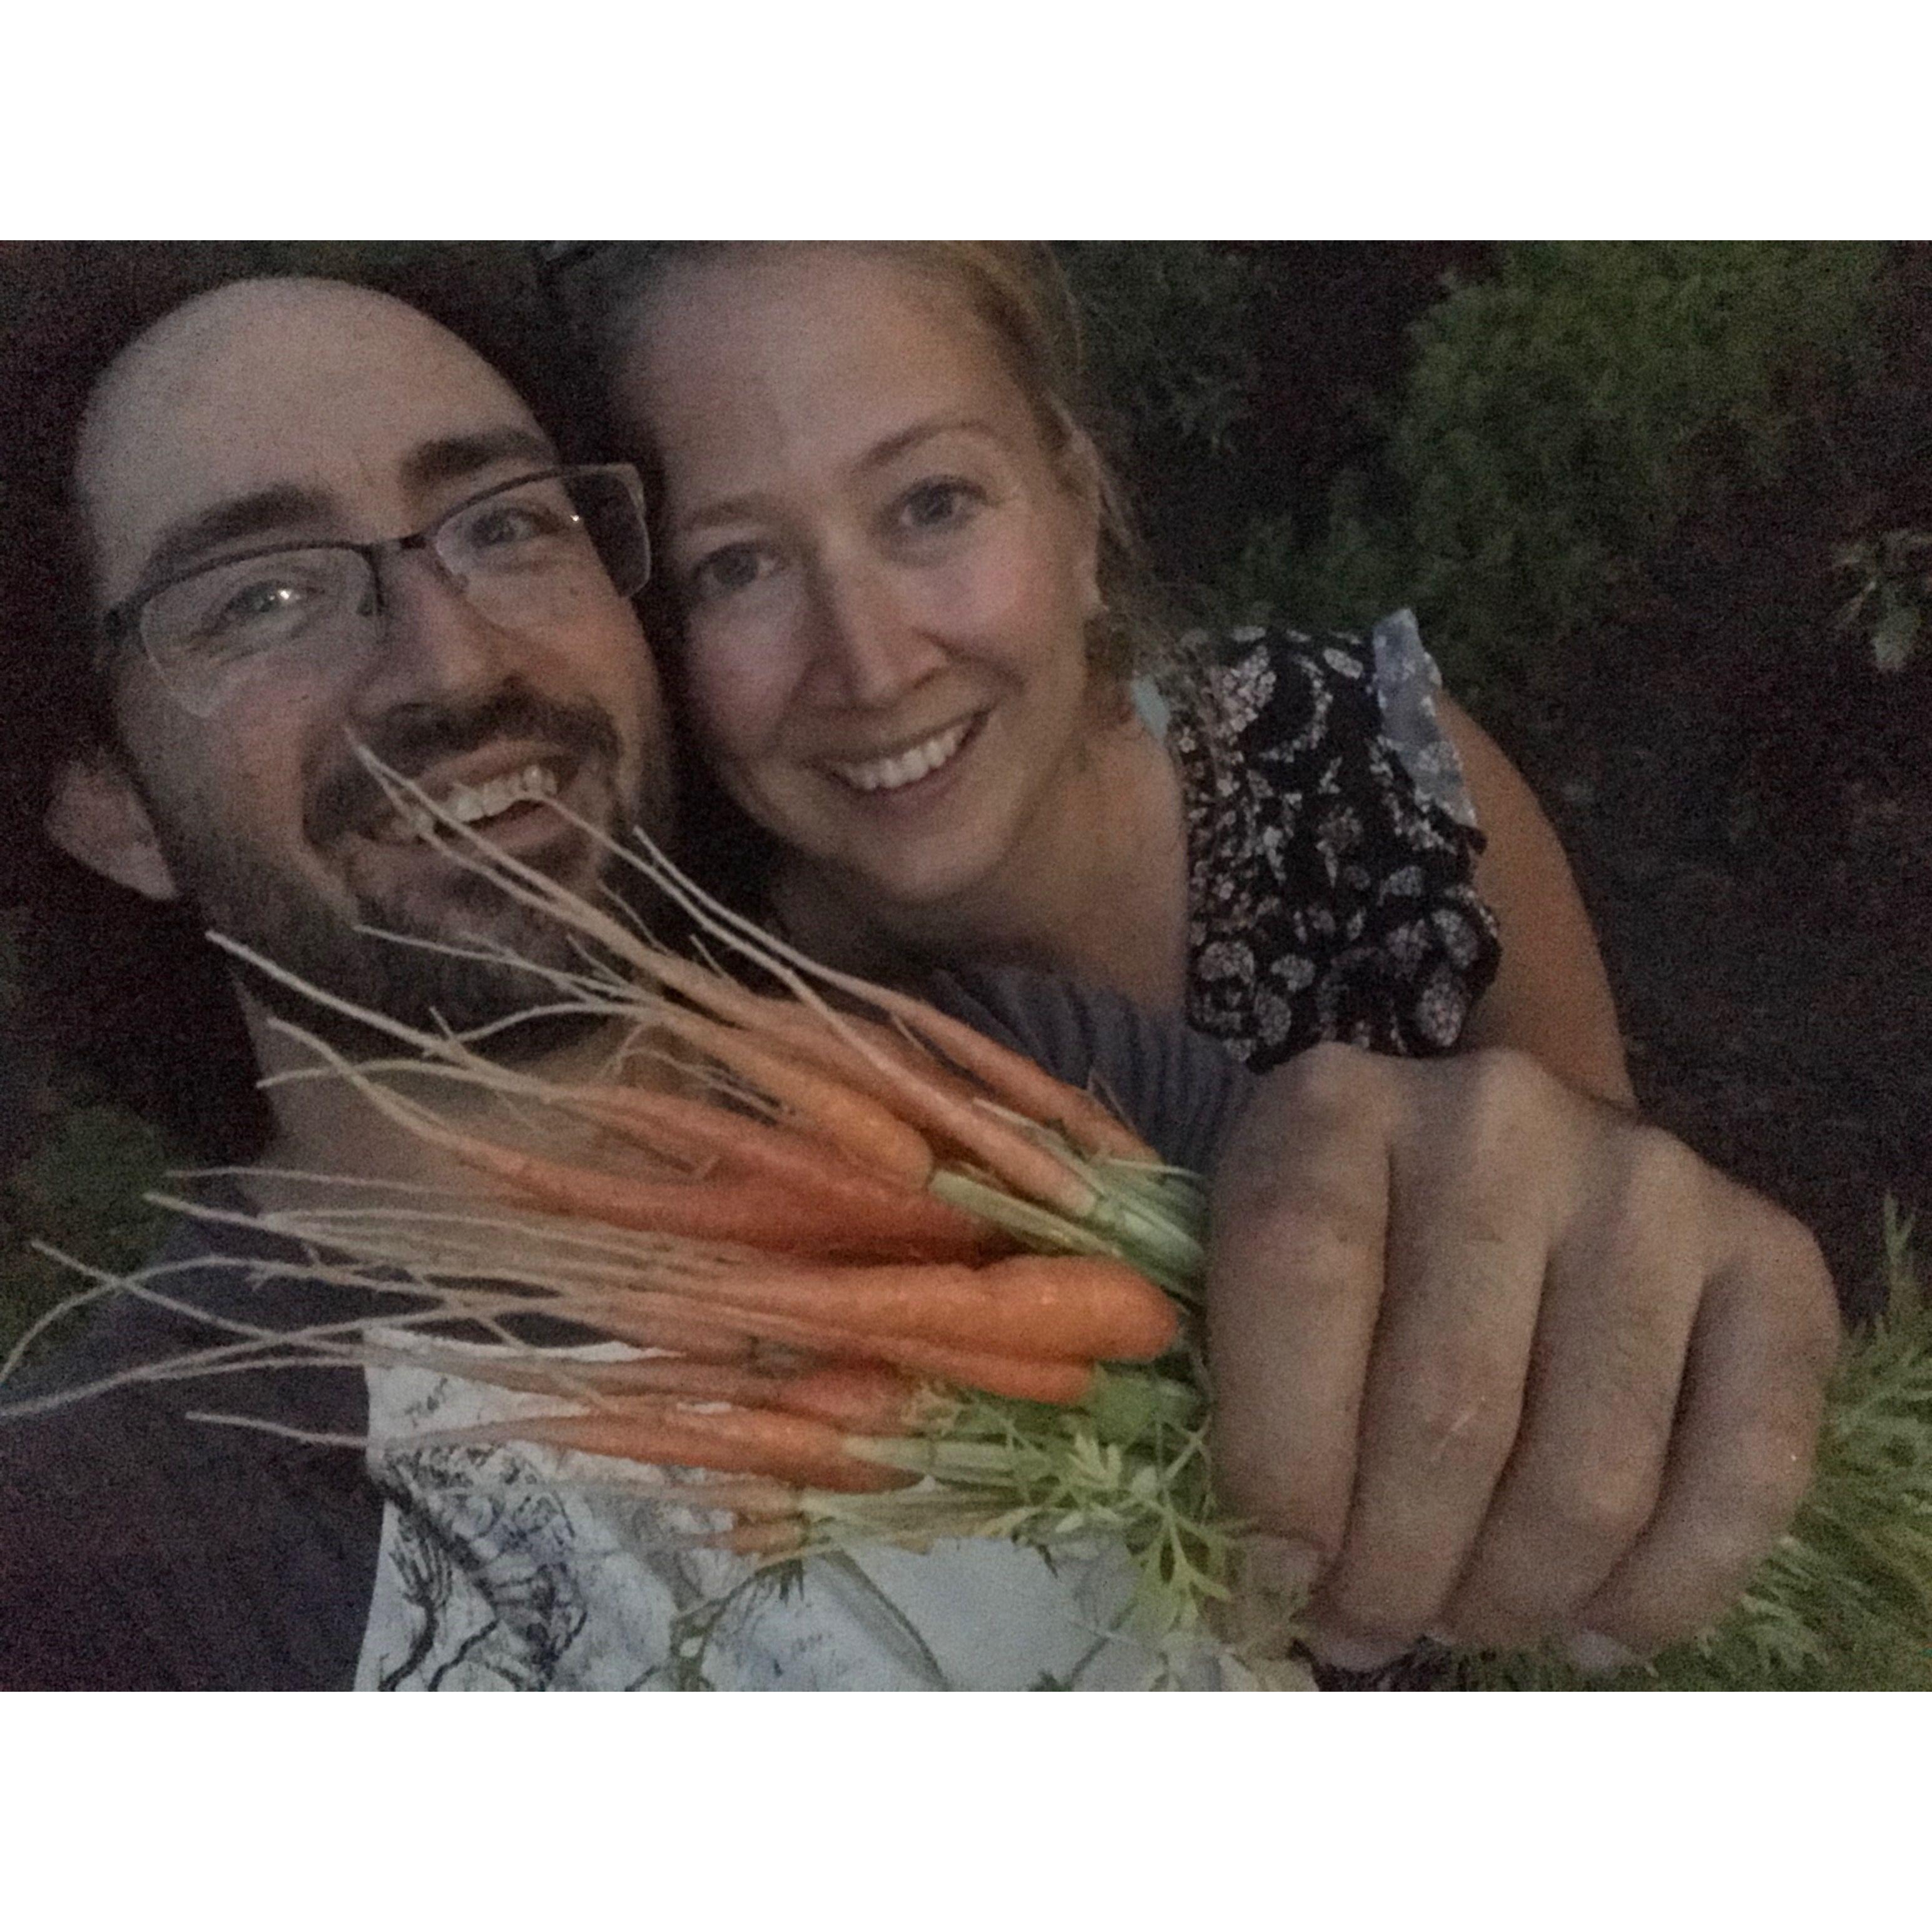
[97,816]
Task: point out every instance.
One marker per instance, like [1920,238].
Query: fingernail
[1284,1566]
[1354,1653]
[1596,1655]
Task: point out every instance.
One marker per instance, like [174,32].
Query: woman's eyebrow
[881,454]
[748,503]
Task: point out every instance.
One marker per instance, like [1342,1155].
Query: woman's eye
[736,567]
[937,504]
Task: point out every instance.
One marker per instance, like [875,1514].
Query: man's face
[272,413]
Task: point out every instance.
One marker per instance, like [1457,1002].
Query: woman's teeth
[907,767]
[469,805]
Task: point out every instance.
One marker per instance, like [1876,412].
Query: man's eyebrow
[450,458]
[264,513]
[287,508]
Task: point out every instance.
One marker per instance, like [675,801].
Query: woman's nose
[873,641]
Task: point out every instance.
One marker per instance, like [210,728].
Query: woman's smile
[915,769]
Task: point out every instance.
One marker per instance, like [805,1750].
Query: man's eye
[270,604]
[532,516]
[499,524]
[260,600]
[253,604]
[734,567]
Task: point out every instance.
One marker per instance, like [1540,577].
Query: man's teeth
[470,804]
[905,768]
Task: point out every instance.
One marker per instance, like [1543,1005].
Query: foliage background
[1662,508]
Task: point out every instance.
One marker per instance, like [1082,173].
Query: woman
[910,647]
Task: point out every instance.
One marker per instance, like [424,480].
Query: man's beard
[241,894]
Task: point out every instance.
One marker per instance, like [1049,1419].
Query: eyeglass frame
[123,621]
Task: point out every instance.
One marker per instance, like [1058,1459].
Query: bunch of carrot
[877,1277]
[867,1264]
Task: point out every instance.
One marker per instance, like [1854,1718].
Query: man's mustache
[413,737]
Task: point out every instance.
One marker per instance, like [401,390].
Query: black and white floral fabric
[1331,848]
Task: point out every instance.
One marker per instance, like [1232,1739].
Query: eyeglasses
[524,554]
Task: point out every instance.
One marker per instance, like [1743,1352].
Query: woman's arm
[1551,997]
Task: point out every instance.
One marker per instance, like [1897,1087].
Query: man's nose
[433,642]
[871,641]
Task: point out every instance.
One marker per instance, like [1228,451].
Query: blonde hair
[1019,294]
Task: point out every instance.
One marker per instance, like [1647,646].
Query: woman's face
[886,574]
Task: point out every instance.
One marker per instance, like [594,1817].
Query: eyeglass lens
[522,556]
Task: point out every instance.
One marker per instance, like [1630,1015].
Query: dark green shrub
[1559,422]
[1167,339]
[1357,569]
[1561,419]
[80,1189]
[73,1171]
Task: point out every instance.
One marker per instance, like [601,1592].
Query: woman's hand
[1496,1363]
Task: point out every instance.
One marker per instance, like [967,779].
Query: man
[1492,1360]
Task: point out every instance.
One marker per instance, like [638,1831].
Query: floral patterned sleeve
[1331,849]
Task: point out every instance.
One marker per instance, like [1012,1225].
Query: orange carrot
[1067,1307]
[746,1441]
[1025,1378]
[806,1036]
[745,1147]
[1028,1378]
[918,1104]
[875,1137]
[753,1212]
[700,1378]
[866,1398]
[863,1398]
[852,1052]
[750,1210]
[942,1111]
[640,1319]
[1011,1078]
[1017,1082]
[761,1539]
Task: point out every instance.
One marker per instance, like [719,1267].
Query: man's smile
[494,766]
[483,792]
